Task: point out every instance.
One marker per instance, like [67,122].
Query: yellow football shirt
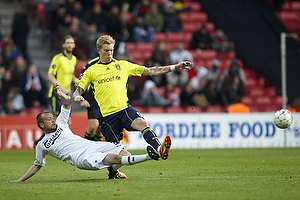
[62,68]
[110,84]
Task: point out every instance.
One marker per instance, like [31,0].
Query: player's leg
[133,120]
[112,132]
[93,130]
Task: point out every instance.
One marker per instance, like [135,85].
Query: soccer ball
[283,118]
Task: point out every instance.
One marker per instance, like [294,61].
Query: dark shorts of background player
[112,125]
[91,111]
[55,103]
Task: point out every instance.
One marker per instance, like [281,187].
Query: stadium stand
[259,89]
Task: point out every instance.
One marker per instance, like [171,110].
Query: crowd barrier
[187,130]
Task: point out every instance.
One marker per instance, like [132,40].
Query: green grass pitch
[187,174]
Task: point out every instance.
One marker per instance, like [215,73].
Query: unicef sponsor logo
[109,79]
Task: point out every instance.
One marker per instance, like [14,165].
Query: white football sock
[129,160]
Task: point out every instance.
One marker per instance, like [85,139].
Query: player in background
[61,71]
[109,78]
[61,143]
[93,131]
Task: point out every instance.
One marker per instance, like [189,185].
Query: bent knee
[139,124]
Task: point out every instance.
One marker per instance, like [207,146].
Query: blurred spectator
[15,101]
[201,39]
[191,97]
[77,11]
[2,96]
[20,30]
[93,36]
[98,17]
[162,5]
[34,88]
[171,95]
[7,82]
[154,19]
[233,90]
[200,79]
[180,53]
[115,25]
[2,110]
[51,9]
[178,78]
[221,43]
[214,70]
[64,28]
[9,51]
[82,48]
[210,92]
[160,54]
[18,69]
[180,7]
[134,92]
[142,32]
[150,96]
[107,5]
[160,81]
[142,8]
[235,70]
[172,20]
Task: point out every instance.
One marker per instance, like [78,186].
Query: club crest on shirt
[52,139]
[53,66]
[118,67]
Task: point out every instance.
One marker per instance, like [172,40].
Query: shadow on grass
[59,181]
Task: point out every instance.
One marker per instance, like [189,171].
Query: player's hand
[79,98]
[57,88]
[184,65]
[85,104]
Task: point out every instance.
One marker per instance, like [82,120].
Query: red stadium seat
[295,5]
[195,6]
[198,17]
[271,91]
[141,109]
[289,16]
[175,37]
[256,92]
[159,37]
[79,66]
[248,100]
[177,109]
[145,47]
[277,100]
[208,54]
[214,109]
[131,47]
[184,17]
[156,110]
[251,82]
[263,101]
[193,109]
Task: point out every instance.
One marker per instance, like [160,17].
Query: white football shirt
[73,149]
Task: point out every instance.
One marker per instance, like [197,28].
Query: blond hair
[104,39]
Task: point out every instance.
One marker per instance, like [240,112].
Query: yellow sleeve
[85,80]
[134,69]
[54,65]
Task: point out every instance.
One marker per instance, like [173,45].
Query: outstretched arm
[160,70]
[64,98]
[77,94]
[32,171]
